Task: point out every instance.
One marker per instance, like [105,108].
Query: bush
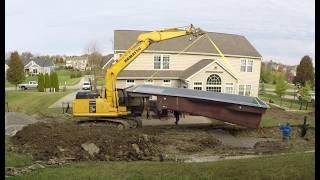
[41,83]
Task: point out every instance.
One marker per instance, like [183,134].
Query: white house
[35,66]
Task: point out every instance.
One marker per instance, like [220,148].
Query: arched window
[214,83]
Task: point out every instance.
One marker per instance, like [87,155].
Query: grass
[31,101]
[63,75]
[273,86]
[291,166]
[13,159]
[288,103]
[276,116]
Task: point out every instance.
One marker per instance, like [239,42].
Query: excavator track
[115,123]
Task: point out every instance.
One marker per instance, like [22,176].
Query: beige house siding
[183,61]
[213,68]
[121,83]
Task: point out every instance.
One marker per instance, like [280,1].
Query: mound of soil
[47,141]
[68,141]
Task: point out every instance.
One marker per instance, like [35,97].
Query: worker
[304,127]
[177,116]
[286,131]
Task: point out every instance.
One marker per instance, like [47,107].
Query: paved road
[15,121]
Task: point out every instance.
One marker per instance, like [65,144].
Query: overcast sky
[280,30]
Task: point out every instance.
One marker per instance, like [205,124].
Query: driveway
[65,99]
[15,121]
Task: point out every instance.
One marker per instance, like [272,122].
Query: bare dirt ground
[66,141]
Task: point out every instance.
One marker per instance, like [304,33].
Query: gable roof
[105,61]
[43,62]
[229,44]
[40,62]
[195,68]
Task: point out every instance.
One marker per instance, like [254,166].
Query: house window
[35,71]
[130,82]
[165,61]
[244,90]
[229,88]
[197,86]
[161,62]
[248,90]
[243,66]
[157,62]
[148,81]
[249,65]
[214,83]
[246,65]
[167,82]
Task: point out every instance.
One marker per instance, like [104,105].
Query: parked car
[86,85]
[29,85]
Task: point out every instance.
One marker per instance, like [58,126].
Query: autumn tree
[15,73]
[305,71]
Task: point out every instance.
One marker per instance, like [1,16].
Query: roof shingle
[229,44]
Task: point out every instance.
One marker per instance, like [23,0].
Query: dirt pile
[69,141]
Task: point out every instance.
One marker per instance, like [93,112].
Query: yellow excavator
[111,106]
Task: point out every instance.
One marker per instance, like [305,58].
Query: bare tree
[94,60]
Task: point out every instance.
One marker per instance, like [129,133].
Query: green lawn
[273,86]
[31,101]
[13,159]
[291,166]
[288,103]
[63,75]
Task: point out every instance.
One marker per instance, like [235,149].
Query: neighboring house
[107,61]
[77,62]
[36,66]
[198,67]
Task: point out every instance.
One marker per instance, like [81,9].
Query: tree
[305,71]
[281,88]
[94,61]
[15,73]
[41,83]
[26,55]
[52,85]
[305,94]
[54,81]
[47,82]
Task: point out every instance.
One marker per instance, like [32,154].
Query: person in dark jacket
[177,116]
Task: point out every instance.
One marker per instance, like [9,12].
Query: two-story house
[77,62]
[200,67]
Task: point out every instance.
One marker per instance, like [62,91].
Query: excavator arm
[144,41]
